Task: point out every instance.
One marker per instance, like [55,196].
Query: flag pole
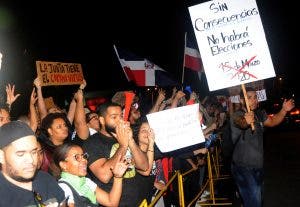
[182,78]
[120,61]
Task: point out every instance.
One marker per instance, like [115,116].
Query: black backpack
[79,200]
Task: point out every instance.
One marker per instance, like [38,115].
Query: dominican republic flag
[192,56]
[142,71]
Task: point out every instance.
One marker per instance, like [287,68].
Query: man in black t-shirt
[114,140]
[21,183]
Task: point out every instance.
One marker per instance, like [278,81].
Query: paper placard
[176,128]
[232,42]
[261,96]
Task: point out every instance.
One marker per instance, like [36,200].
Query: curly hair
[137,126]
[48,121]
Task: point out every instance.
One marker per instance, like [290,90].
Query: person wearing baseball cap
[21,183]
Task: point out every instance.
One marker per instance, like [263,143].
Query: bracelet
[118,176]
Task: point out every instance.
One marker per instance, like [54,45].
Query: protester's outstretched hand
[161,95]
[288,105]
[120,167]
[10,94]
[123,133]
[37,82]
[83,85]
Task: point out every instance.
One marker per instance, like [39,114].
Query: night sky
[85,32]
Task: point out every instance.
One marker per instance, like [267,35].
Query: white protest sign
[261,95]
[232,42]
[235,99]
[176,128]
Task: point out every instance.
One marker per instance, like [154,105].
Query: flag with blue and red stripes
[142,71]
[192,56]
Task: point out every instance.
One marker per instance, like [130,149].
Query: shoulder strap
[78,199]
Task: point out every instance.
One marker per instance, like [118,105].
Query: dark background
[84,32]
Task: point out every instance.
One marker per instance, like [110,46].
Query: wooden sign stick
[247,103]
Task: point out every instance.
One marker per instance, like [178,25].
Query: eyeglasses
[38,199]
[135,105]
[92,117]
[79,157]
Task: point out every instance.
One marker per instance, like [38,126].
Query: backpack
[78,199]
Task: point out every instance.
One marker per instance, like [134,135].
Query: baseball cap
[13,131]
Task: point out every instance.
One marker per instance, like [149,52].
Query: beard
[12,173]
[22,179]
[110,129]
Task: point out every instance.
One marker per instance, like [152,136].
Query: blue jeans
[250,183]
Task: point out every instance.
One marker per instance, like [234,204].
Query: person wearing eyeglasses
[22,184]
[93,123]
[80,190]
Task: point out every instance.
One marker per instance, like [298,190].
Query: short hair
[102,108]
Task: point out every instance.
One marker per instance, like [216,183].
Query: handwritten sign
[176,128]
[261,96]
[232,42]
[57,73]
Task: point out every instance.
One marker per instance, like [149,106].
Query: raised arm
[81,126]
[287,106]
[140,158]
[149,153]
[72,107]
[161,96]
[10,95]
[178,96]
[113,197]
[101,168]
[33,121]
[41,103]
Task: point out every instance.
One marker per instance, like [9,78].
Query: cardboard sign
[176,128]
[232,42]
[57,73]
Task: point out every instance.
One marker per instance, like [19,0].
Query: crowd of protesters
[79,157]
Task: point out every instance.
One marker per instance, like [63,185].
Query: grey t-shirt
[248,151]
